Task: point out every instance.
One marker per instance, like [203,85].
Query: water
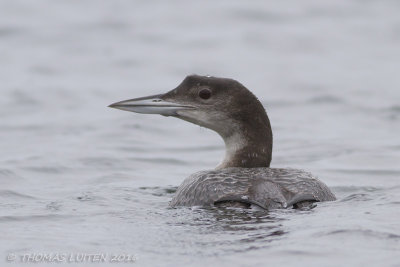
[78,177]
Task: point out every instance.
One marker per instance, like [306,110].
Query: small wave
[54,206]
[394,109]
[42,169]
[10,31]
[112,178]
[43,70]
[365,232]
[256,15]
[14,195]
[194,148]
[106,24]
[132,149]
[31,218]
[6,173]
[160,160]
[19,96]
[89,197]
[99,161]
[353,189]
[357,197]
[326,99]
[158,191]
[368,171]
[392,112]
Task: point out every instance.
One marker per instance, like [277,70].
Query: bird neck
[249,146]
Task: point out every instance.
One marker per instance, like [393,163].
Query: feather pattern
[265,187]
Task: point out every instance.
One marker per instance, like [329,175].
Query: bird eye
[205,93]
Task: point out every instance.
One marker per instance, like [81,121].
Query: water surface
[78,177]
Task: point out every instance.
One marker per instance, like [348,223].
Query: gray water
[78,177]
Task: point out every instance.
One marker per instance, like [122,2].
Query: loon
[244,178]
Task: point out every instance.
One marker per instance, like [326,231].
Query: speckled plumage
[265,187]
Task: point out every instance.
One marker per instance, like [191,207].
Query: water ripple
[365,232]
[34,218]
[9,194]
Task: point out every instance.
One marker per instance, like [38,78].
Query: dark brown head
[223,105]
